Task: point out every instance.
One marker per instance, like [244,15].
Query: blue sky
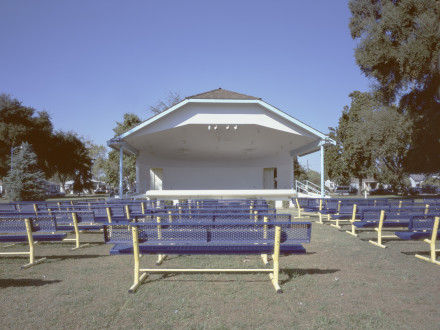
[89,62]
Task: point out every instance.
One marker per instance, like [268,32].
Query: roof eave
[117,143]
[280,113]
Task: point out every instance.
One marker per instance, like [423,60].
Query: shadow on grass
[59,257]
[413,253]
[202,257]
[293,273]
[73,256]
[384,240]
[24,282]
[69,244]
[174,277]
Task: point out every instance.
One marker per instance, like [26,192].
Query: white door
[270,178]
[156,175]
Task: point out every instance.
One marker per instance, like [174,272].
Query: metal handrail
[307,186]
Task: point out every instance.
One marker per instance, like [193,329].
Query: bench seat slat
[80,227]
[36,237]
[373,224]
[410,235]
[345,216]
[208,249]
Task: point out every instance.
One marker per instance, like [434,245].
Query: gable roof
[417,177]
[222,94]
[226,96]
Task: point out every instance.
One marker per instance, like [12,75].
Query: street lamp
[12,153]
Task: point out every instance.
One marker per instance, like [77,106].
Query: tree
[399,47]
[335,166]
[129,162]
[25,182]
[314,177]
[75,162]
[20,124]
[98,154]
[352,155]
[372,140]
[299,173]
[388,132]
[172,99]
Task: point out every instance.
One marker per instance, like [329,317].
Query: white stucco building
[220,144]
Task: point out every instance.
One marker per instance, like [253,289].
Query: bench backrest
[197,233]
[305,202]
[206,210]
[7,207]
[66,217]
[214,217]
[432,201]
[422,222]
[404,213]
[15,223]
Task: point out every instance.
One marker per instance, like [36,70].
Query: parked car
[345,190]
[381,191]
[428,189]
[52,194]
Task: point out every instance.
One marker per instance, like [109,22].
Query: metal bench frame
[29,237]
[422,232]
[140,274]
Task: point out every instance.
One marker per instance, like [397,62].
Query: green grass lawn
[342,282]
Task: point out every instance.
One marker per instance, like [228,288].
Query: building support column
[121,168]
[292,183]
[322,171]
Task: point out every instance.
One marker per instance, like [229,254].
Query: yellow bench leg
[137,279]
[160,259]
[431,242]
[276,261]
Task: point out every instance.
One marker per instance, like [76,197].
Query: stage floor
[269,194]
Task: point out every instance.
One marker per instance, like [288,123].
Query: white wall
[227,174]
[260,131]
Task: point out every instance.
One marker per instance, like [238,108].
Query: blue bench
[361,215]
[76,221]
[424,227]
[6,207]
[67,220]
[307,207]
[432,201]
[239,237]
[344,210]
[390,218]
[22,229]
[103,213]
[171,217]
[223,202]
[350,214]
[210,211]
[338,209]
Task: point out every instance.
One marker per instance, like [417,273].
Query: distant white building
[220,144]
[367,184]
[416,180]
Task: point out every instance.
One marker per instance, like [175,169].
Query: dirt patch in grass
[342,282]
